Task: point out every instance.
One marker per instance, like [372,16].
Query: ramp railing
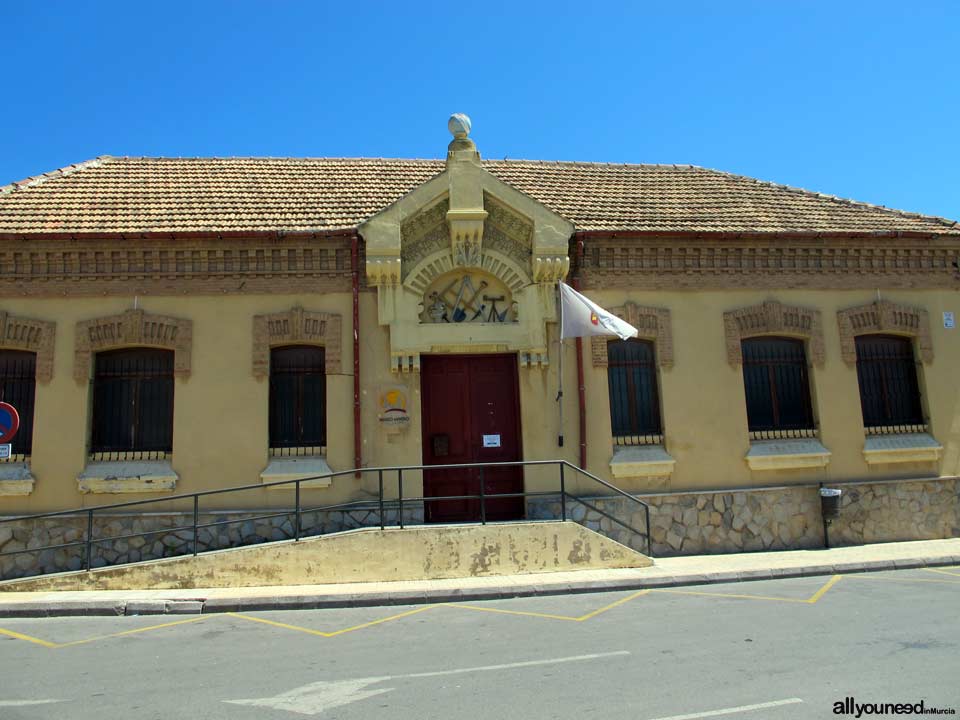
[391,509]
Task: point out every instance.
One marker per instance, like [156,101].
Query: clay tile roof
[184,195]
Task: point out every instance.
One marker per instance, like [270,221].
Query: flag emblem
[594,319]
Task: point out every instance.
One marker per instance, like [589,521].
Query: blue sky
[853,99]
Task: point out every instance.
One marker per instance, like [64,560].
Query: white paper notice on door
[491,441]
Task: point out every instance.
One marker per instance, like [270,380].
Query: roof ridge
[35,180]
[270,157]
[837,199]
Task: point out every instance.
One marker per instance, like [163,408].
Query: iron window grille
[634,397]
[18,384]
[298,386]
[889,389]
[132,405]
[777,388]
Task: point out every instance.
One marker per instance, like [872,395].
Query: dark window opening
[133,401]
[777,388]
[18,384]
[889,391]
[634,399]
[298,386]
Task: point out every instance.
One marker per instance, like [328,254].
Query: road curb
[538,585]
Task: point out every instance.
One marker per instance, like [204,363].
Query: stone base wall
[784,518]
[892,512]
[155,536]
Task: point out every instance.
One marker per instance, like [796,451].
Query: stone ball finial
[459,125]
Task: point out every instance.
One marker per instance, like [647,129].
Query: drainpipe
[581,389]
[355,272]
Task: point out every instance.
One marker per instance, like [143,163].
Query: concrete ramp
[429,552]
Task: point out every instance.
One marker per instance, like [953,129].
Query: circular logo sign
[9,422]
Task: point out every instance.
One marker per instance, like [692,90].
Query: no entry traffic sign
[9,422]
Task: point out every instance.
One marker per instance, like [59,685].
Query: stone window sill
[15,479]
[130,476]
[901,447]
[295,468]
[641,461]
[790,454]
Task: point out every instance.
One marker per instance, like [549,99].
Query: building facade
[172,326]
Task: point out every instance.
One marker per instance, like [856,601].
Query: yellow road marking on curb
[612,605]
[133,632]
[548,616]
[332,633]
[730,595]
[945,572]
[28,638]
[823,591]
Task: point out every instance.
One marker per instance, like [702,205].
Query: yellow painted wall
[220,416]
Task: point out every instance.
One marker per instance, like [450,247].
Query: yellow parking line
[823,591]
[522,613]
[945,572]
[28,638]
[857,576]
[612,605]
[133,632]
[333,633]
[729,595]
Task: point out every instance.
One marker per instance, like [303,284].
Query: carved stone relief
[652,324]
[468,297]
[773,318]
[296,326]
[133,328]
[20,333]
[883,316]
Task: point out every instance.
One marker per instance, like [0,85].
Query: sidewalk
[666,572]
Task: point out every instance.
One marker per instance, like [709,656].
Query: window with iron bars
[132,404]
[298,386]
[18,384]
[634,398]
[777,388]
[889,390]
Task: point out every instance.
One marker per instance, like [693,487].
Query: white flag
[580,317]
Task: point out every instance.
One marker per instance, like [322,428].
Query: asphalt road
[776,650]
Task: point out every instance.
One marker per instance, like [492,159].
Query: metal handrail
[381,500]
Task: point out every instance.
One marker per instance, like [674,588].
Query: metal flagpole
[560,365]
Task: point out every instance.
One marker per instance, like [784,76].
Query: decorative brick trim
[111,267]
[296,326]
[773,318]
[38,336]
[835,263]
[130,329]
[883,316]
[653,324]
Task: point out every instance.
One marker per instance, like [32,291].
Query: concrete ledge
[901,447]
[644,461]
[790,454]
[279,469]
[134,476]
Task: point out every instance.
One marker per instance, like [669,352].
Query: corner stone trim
[20,333]
[294,327]
[773,318]
[883,316]
[133,328]
[652,324]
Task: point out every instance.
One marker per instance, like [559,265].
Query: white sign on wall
[949,322]
[491,441]
[5,451]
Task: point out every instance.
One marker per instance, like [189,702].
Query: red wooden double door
[471,414]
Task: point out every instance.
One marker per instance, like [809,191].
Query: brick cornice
[133,328]
[652,323]
[883,316]
[31,335]
[296,327]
